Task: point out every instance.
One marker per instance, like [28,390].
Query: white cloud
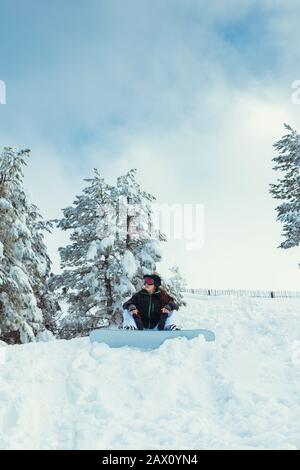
[157,86]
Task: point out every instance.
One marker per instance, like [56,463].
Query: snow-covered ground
[240,392]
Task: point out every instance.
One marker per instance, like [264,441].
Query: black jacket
[149,306]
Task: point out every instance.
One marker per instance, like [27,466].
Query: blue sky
[191,94]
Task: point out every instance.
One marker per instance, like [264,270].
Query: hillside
[240,392]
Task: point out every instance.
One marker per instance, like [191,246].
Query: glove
[132,307]
[168,307]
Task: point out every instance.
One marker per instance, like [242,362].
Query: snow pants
[128,320]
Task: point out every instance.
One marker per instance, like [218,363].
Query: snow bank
[240,392]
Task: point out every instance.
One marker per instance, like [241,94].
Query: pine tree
[287,189]
[108,256]
[39,267]
[85,281]
[26,304]
[139,236]
[113,246]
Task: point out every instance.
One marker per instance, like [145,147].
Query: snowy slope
[240,392]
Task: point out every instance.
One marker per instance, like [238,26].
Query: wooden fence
[240,293]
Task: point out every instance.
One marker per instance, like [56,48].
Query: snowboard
[144,339]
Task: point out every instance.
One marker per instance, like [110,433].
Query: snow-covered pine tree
[287,189]
[134,250]
[139,237]
[113,246]
[174,284]
[26,307]
[89,261]
[39,268]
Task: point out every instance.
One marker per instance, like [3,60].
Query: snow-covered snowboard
[144,339]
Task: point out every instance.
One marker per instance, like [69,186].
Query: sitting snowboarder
[150,308]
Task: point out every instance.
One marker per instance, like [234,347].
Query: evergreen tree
[287,189]
[139,236]
[39,267]
[26,304]
[111,249]
[113,246]
[85,282]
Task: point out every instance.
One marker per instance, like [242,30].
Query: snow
[106,243]
[129,264]
[22,249]
[92,251]
[42,266]
[45,335]
[19,229]
[5,204]
[26,333]
[241,392]
[91,279]
[20,277]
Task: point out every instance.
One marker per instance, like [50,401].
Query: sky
[191,93]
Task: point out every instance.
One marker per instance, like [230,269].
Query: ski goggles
[149,281]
